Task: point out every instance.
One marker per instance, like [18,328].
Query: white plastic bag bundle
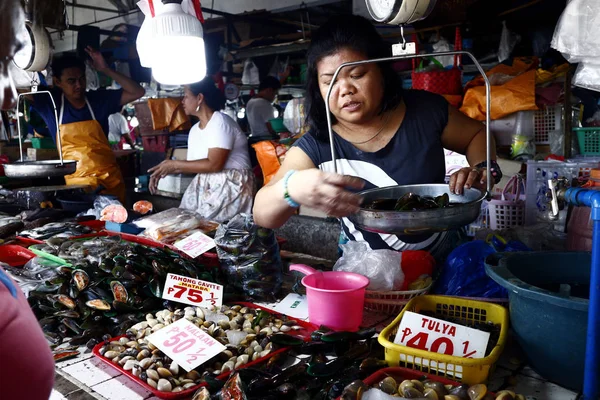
[577,34]
[293,115]
[382,267]
[250,76]
[577,37]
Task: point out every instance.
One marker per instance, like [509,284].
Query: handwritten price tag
[439,336]
[195,245]
[186,344]
[192,291]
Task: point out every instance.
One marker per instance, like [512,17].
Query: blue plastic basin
[550,327]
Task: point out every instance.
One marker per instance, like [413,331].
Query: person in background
[217,152]
[118,128]
[25,354]
[83,119]
[384,136]
[259,109]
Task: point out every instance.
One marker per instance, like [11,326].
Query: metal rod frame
[488,134]
[55,116]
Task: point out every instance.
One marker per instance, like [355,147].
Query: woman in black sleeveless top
[384,136]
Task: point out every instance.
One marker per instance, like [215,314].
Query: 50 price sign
[186,344]
[194,292]
[439,336]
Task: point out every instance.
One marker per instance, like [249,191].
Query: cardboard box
[42,154]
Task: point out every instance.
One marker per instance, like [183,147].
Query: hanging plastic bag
[382,267]
[588,75]
[250,76]
[577,33]
[464,271]
[294,117]
[249,257]
[508,41]
[270,155]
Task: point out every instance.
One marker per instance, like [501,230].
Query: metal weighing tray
[426,221]
[40,169]
[418,222]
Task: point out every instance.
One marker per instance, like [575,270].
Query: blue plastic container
[123,228]
[549,325]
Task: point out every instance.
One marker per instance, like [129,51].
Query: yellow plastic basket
[466,370]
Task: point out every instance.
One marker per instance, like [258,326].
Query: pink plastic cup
[335,298]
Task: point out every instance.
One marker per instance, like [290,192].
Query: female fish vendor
[384,136]
[217,152]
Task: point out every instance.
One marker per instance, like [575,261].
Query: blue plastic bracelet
[286,194]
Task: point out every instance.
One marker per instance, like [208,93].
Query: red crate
[158,141]
[304,333]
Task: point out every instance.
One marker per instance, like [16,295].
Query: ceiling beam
[95,8]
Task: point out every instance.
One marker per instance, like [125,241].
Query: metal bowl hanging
[40,169]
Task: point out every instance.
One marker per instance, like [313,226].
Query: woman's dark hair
[59,64]
[213,97]
[346,32]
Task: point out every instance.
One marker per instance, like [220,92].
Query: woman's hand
[467,178]
[326,191]
[98,61]
[163,169]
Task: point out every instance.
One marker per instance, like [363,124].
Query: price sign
[196,244]
[192,291]
[439,336]
[186,344]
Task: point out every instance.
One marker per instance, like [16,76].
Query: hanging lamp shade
[178,45]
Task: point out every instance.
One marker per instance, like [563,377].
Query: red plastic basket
[447,82]
[305,334]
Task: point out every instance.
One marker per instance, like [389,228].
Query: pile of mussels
[106,289]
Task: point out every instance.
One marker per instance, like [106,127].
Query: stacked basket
[392,302]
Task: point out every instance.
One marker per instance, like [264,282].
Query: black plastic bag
[249,257]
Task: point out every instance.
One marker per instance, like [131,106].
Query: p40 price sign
[439,336]
[192,291]
[186,344]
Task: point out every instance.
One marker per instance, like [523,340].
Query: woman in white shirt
[218,153]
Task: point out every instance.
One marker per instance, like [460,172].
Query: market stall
[142,297]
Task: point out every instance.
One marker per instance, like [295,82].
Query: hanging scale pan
[399,12]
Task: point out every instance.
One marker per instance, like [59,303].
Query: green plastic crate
[589,140]
[43,143]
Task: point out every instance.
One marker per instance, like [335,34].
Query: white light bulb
[178,47]
[241,113]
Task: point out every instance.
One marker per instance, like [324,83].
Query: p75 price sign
[439,336]
[192,291]
[186,344]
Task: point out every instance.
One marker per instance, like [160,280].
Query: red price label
[442,337]
[192,291]
[196,244]
[186,344]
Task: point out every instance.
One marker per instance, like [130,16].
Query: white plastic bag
[250,76]
[382,267]
[577,33]
[588,75]
[293,116]
[508,41]
[440,46]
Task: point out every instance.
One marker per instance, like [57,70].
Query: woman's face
[190,101]
[358,91]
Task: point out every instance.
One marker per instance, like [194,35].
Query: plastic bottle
[580,226]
